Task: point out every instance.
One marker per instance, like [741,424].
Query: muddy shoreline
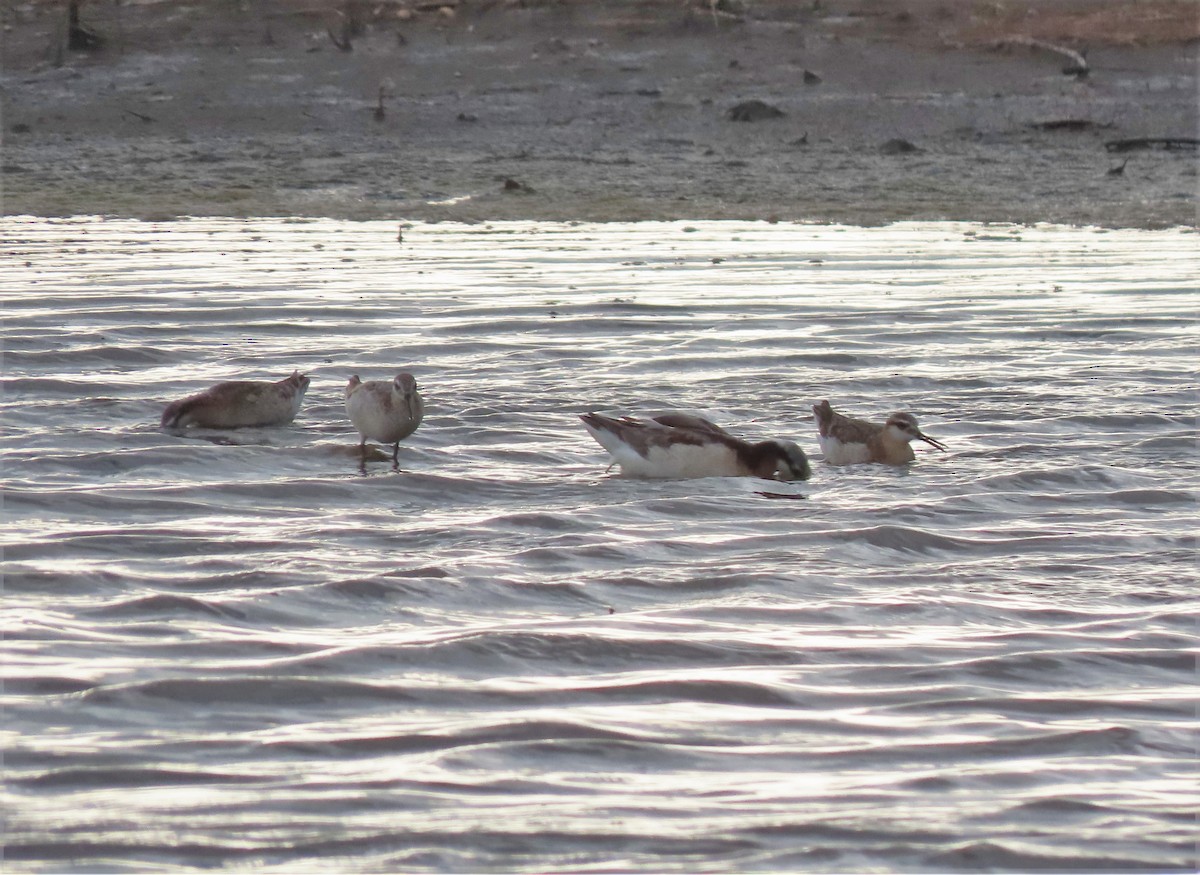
[606,111]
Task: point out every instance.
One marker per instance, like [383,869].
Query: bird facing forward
[383,411]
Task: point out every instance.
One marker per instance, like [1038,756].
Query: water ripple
[250,650]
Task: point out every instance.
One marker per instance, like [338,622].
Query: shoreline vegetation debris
[1167,144]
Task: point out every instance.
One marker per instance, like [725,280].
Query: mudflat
[857,111]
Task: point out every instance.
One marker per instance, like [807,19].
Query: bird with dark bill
[385,411]
[848,441]
[682,446]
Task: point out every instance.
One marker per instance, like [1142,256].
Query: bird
[239,404]
[682,446]
[848,441]
[383,411]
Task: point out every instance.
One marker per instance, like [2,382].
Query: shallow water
[233,649]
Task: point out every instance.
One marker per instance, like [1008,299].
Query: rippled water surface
[233,649]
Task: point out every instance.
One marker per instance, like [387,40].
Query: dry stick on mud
[1079,64]
[343,42]
[1070,124]
[1167,143]
[350,25]
[380,114]
[80,38]
[714,7]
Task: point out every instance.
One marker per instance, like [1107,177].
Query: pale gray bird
[239,404]
[383,411]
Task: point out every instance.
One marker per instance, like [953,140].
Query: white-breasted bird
[848,441]
[384,411]
[681,446]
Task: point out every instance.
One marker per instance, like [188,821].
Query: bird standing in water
[848,441]
[383,411]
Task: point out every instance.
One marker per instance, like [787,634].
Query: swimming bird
[383,411]
[239,404]
[680,446]
[848,441]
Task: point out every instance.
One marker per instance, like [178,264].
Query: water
[234,650]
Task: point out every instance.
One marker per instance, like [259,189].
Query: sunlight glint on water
[231,648]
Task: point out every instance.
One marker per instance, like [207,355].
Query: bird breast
[680,461]
[381,414]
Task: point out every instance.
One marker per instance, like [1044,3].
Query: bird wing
[689,421]
[847,429]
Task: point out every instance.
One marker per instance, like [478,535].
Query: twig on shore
[1069,124]
[142,116]
[1166,143]
[1078,66]
[379,113]
[343,43]
[80,38]
[730,10]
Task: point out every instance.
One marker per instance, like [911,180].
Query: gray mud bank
[607,111]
